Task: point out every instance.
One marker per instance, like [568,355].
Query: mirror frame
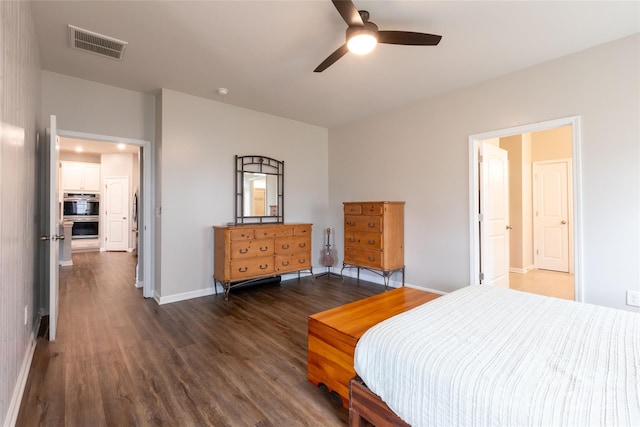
[258,164]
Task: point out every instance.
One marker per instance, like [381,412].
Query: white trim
[148,219]
[474,229]
[65,263]
[420,288]
[185,296]
[18,391]
[521,270]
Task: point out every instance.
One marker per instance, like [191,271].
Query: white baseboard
[16,399]
[65,263]
[521,270]
[422,288]
[185,296]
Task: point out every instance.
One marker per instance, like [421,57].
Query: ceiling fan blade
[408,38]
[339,53]
[349,12]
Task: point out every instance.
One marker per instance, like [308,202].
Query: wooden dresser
[374,237]
[243,253]
[333,335]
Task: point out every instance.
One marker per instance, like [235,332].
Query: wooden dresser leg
[355,420]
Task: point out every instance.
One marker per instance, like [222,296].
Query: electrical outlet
[633,298]
[26,315]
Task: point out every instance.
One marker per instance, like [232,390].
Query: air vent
[96,43]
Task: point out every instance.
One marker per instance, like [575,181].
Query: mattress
[488,356]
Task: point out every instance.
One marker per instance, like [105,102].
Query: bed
[485,355]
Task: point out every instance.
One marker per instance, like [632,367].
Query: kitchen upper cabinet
[79,176]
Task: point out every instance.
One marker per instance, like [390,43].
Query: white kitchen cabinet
[80,176]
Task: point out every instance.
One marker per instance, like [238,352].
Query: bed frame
[365,406]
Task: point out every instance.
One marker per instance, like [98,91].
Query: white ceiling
[265,51]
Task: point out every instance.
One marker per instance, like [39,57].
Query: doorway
[143,197]
[520,219]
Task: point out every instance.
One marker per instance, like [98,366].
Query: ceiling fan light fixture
[362,40]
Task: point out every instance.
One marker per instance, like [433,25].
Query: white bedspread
[487,356]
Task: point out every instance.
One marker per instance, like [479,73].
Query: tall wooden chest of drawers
[243,253]
[374,237]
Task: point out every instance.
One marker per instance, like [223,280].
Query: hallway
[544,282]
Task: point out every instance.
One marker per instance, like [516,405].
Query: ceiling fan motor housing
[369,28]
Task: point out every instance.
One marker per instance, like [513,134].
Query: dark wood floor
[121,360]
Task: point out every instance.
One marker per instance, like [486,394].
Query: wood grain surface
[122,360]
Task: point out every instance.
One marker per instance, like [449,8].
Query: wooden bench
[333,335]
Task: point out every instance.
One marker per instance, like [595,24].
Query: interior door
[551,218]
[52,235]
[494,214]
[117,213]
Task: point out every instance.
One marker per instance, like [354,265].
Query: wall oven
[84,210]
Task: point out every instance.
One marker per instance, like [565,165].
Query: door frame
[147,225]
[576,177]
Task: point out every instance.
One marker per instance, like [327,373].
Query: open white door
[54,223]
[494,214]
[551,215]
[117,213]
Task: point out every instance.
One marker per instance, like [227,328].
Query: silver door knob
[563,222]
[45,238]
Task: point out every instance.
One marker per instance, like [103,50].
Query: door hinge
[480,158]
[481,276]
[480,218]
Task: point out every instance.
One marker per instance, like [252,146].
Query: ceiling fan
[363,35]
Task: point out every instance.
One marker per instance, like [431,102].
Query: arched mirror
[259,190]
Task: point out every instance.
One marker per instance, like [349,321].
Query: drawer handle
[351,223]
[302,245]
[371,258]
[264,266]
[302,261]
[244,251]
[351,239]
[371,242]
[351,256]
[371,224]
[285,246]
[285,263]
[243,269]
[264,248]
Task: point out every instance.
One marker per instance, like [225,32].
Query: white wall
[84,106]
[19,101]
[420,154]
[199,140]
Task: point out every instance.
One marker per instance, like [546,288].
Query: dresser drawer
[363,257]
[265,233]
[242,234]
[372,224]
[352,209]
[293,262]
[363,240]
[251,267]
[290,245]
[372,209]
[251,248]
[302,230]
